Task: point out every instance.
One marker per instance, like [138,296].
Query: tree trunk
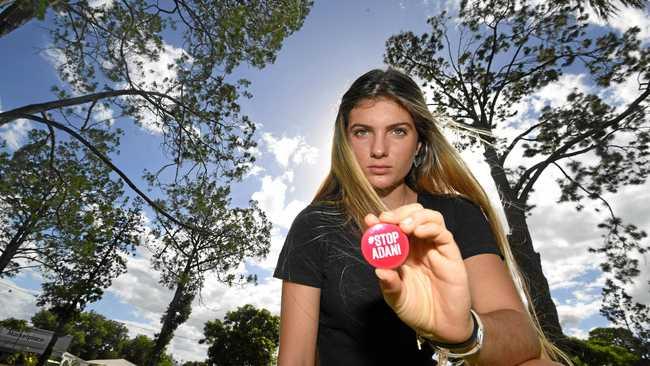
[63,321]
[11,249]
[522,249]
[177,313]
[18,239]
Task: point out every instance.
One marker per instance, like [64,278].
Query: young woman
[454,297]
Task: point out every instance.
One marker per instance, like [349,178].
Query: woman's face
[384,140]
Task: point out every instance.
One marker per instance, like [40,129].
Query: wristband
[457,351]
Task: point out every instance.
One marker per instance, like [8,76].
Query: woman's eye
[360,132]
[400,131]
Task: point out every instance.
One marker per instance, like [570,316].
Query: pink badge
[385,246]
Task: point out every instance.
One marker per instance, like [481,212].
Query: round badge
[385,246]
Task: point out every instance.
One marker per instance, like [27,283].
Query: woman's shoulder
[319,212]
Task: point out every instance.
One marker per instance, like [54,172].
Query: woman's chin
[384,185]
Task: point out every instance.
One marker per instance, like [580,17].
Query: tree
[45,319]
[247,337]
[41,180]
[25,199]
[14,324]
[621,337]
[606,346]
[506,51]
[225,237]
[88,248]
[107,53]
[93,336]
[137,351]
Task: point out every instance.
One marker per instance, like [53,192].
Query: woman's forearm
[508,339]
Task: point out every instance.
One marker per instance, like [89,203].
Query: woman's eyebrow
[398,124]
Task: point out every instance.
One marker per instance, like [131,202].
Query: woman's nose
[378,148]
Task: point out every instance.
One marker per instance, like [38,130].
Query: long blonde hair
[440,170]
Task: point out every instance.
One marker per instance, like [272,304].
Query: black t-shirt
[356,326]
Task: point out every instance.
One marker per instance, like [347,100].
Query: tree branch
[502,158]
[109,163]
[562,151]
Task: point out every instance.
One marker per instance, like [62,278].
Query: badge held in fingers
[385,246]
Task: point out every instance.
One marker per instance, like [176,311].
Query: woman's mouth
[379,169]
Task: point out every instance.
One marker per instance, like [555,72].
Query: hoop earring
[419,157]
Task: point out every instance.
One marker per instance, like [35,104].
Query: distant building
[115,362]
[72,360]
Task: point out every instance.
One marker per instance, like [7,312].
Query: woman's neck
[398,196]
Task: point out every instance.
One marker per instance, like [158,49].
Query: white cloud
[553,95]
[572,314]
[14,133]
[576,332]
[55,56]
[639,289]
[103,114]
[272,198]
[100,3]
[16,302]
[290,150]
[140,287]
[625,19]
[621,95]
[254,171]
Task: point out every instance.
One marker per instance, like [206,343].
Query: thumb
[390,283]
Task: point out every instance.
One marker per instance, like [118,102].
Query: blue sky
[295,101]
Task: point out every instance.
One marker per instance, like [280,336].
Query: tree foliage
[14,324]
[93,336]
[606,346]
[483,76]
[42,181]
[246,337]
[138,349]
[108,55]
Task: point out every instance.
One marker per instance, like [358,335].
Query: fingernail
[387,214]
[377,273]
[406,221]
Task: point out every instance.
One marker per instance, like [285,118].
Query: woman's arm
[299,312]
[509,337]
[434,290]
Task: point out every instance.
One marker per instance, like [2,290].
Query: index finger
[397,215]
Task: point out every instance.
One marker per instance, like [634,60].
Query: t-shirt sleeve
[302,257]
[471,230]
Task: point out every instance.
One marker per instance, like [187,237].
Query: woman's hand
[430,291]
